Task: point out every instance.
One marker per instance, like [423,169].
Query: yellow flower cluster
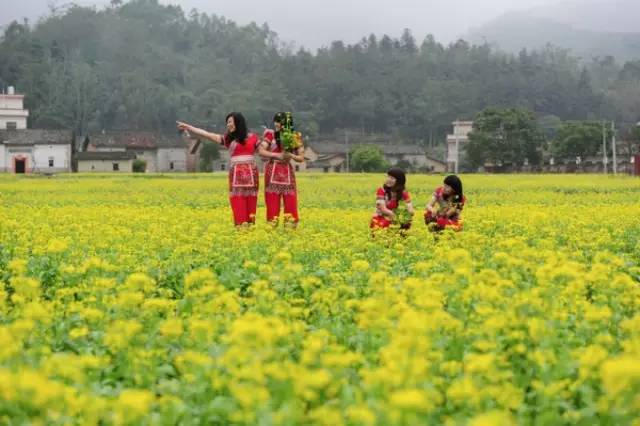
[131,300]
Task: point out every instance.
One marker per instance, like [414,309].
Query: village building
[161,153]
[13,116]
[105,161]
[332,157]
[456,144]
[24,150]
[35,151]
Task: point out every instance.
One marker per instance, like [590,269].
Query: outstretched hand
[182,126]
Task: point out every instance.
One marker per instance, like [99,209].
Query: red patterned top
[389,199]
[248,148]
[243,171]
[279,175]
[269,135]
[443,204]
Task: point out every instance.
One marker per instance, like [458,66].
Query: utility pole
[613,147]
[604,147]
[457,152]
[346,142]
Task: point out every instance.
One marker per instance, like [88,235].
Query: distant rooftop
[36,137]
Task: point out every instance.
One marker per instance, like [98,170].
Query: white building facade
[105,162]
[13,116]
[161,153]
[456,144]
[35,151]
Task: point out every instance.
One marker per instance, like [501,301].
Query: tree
[139,166]
[579,139]
[208,153]
[139,64]
[633,139]
[367,158]
[503,136]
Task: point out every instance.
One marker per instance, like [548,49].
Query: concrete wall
[11,102]
[61,155]
[222,163]
[12,111]
[104,166]
[462,128]
[107,149]
[177,156]
[150,156]
[21,122]
[10,153]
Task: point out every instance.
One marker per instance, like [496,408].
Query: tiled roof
[105,155]
[137,140]
[36,137]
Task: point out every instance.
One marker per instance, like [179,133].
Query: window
[297,168]
[12,125]
[116,167]
[222,167]
[50,161]
[171,165]
[93,167]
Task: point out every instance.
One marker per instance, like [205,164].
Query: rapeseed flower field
[133,300]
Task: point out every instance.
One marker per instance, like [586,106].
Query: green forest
[142,65]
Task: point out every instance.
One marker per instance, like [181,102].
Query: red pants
[244,208]
[441,222]
[290,201]
[379,222]
[382,222]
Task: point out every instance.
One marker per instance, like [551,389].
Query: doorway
[20,165]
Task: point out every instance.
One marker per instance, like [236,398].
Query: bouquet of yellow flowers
[290,139]
[403,216]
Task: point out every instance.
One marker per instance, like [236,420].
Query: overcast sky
[314,23]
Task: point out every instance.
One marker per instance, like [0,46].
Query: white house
[105,161]
[171,158]
[13,116]
[332,157]
[35,151]
[162,153]
[456,143]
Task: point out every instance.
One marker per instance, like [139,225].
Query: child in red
[279,176]
[243,171]
[447,202]
[388,198]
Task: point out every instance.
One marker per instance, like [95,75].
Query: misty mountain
[589,29]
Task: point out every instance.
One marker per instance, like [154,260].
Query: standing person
[279,175]
[388,198]
[446,204]
[243,171]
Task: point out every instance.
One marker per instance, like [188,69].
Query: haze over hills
[590,29]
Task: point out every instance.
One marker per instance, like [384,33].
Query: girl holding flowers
[389,198]
[243,171]
[280,146]
[446,204]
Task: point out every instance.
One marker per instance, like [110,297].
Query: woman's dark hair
[241,132]
[454,182]
[281,117]
[401,180]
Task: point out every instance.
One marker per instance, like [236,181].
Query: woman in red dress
[243,171]
[388,198]
[444,209]
[279,175]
